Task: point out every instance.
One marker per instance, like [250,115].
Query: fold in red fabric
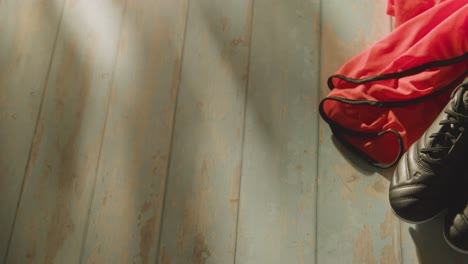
[383,99]
[404,10]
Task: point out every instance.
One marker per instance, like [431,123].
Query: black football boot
[456,228]
[420,183]
[456,220]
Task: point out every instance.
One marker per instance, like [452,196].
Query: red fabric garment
[404,10]
[384,98]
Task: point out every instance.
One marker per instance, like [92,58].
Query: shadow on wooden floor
[427,238]
[359,163]
[430,244]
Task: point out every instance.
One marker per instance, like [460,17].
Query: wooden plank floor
[178,131]
[360,227]
[26,47]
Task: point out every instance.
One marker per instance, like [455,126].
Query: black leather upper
[456,220]
[456,231]
[421,181]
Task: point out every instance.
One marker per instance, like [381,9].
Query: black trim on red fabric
[366,157]
[400,74]
[339,130]
[395,104]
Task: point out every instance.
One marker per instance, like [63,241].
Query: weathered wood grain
[27,35]
[57,190]
[355,223]
[200,211]
[243,171]
[126,210]
[277,197]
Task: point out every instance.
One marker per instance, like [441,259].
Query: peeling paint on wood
[163,257]
[363,251]
[126,211]
[61,172]
[277,205]
[27,31]
[118,69]
[352,198]
[200,214]
[390,252]
[378,189]
[201,252]
[349,179]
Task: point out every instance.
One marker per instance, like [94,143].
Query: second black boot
[456,221]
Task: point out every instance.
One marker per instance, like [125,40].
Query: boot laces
[454,125]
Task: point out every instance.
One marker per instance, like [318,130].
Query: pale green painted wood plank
[200,211]
[277,196]
[27,35]
[355,223]
[54,206]
[127,206]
